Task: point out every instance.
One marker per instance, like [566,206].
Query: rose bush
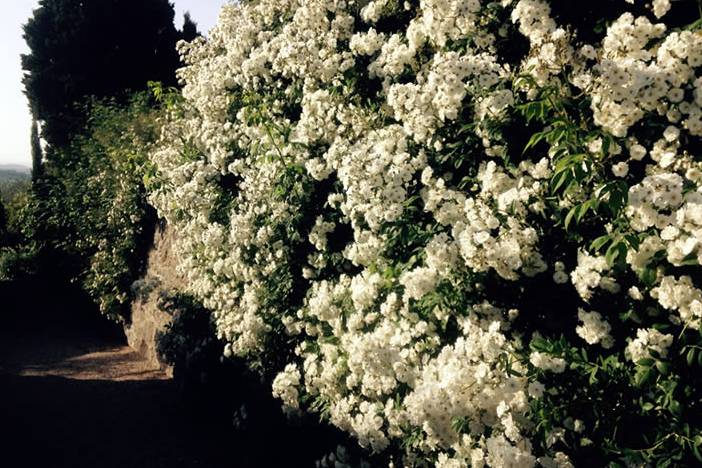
[466,232]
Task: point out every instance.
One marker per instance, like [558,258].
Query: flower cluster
[647,341]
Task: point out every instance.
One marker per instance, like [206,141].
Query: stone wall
[147,319]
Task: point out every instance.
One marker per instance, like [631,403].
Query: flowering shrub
[466,232]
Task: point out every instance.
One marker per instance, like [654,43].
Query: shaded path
[69,399]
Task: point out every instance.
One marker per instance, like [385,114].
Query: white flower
[621,169]
[594,329]
[285,387]
[536,389]
[660,7]
[590,274]
[371,12]
[418,282]
[648,340]
[680,295]
[637,152]
[671,133]
[595,146]
[547,362]
[588,52]
[635,293]
[355,202]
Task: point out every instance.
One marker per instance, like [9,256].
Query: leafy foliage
[88,215]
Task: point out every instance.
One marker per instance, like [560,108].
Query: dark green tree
[37,153]
[101,48]
[189,31]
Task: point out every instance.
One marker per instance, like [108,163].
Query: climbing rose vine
[466,232]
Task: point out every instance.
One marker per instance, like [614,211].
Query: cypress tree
[37,153]
[189,31]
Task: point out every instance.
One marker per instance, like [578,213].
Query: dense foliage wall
[466,232]
[87,219]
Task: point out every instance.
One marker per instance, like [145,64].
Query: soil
[75,398]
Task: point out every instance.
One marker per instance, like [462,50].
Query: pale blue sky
[14,116]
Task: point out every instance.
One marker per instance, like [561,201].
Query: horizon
[14,115]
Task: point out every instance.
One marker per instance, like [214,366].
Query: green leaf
[593,376]
[642,376]
[696,452]
[632,240]
[533,141]
[616,251]
[690,357]
[539,344]
[690,262]
[569,216]
[568,161]
[460,425]
[585,207]
[555,136]
[663,367]
[559,179]
[583,354]
[600,242]
[648,276]
[533,110]
[645,362]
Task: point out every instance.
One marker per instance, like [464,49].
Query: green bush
[88,214]
[17,253]
[16,262]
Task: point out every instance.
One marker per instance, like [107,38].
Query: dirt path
[68,399]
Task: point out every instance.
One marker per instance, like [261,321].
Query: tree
[189,31]
[101,48]
[37,153]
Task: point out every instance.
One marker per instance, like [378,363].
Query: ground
[71,397]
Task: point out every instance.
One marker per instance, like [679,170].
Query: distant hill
[8,175]
[15,168]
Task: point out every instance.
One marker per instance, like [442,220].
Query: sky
[15,122]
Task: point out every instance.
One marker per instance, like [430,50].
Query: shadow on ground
[58,422]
